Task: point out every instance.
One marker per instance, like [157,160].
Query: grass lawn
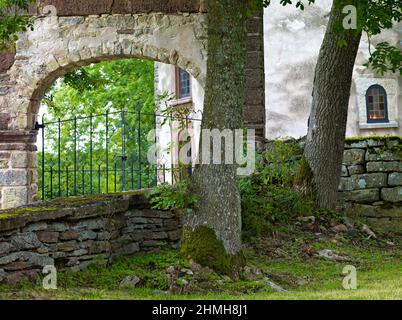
[289,261]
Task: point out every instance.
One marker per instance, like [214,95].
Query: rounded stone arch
[58,45]
[61,44]
[48,79]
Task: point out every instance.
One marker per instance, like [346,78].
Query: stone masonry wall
[371,182]
[76,232]
[372,171]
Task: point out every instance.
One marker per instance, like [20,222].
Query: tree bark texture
[215,185]
[328,119]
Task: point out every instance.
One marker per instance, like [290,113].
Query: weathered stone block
[24,241]
[87,235]
[395,179]
[94,224]
[353,157]
[356,144]
[34,259]
[382,166]
[5,248]
[80,252]
[139,220]
[364,210]
[14,197]
[362,196]
[375,143]
[159,235]
[356,169]
[99,247]
[364,181]
[58,226]
[19,265]
[13,178]
[392,194]
[21,159]
[40,226]
[69,235]
[48,236]
[377,154]
[68,246]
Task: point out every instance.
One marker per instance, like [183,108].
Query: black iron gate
[104,153]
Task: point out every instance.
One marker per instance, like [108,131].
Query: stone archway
[84,32]
[58,45]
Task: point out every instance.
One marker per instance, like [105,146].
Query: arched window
[183,84]
[376,104]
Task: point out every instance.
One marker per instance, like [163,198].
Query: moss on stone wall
[381,138]
[203,246]
[10,213]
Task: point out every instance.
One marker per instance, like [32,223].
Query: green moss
[381,138]
[203,246]
[303,180]
[10,213]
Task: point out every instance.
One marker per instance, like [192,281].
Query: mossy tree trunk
[218,207]
[327,128]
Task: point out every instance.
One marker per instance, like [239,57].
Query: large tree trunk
[212,233]
[327,128]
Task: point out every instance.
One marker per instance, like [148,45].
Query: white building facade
[292,40]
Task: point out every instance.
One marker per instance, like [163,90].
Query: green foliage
[279,163]
[171,197]
[13,21]
[269,196]
[148,267]
[95,90]
[386,58]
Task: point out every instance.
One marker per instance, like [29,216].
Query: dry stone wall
[371,182]
[77,232]
[372,171]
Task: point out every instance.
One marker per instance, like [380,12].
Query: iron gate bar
[75,156]
[139,148]
[43,156]
[107,151]
[59,154]
[123,150]
[90,152]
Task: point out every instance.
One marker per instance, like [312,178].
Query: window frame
[177,74]
[386,117]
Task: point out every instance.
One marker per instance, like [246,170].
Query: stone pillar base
[18,177]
